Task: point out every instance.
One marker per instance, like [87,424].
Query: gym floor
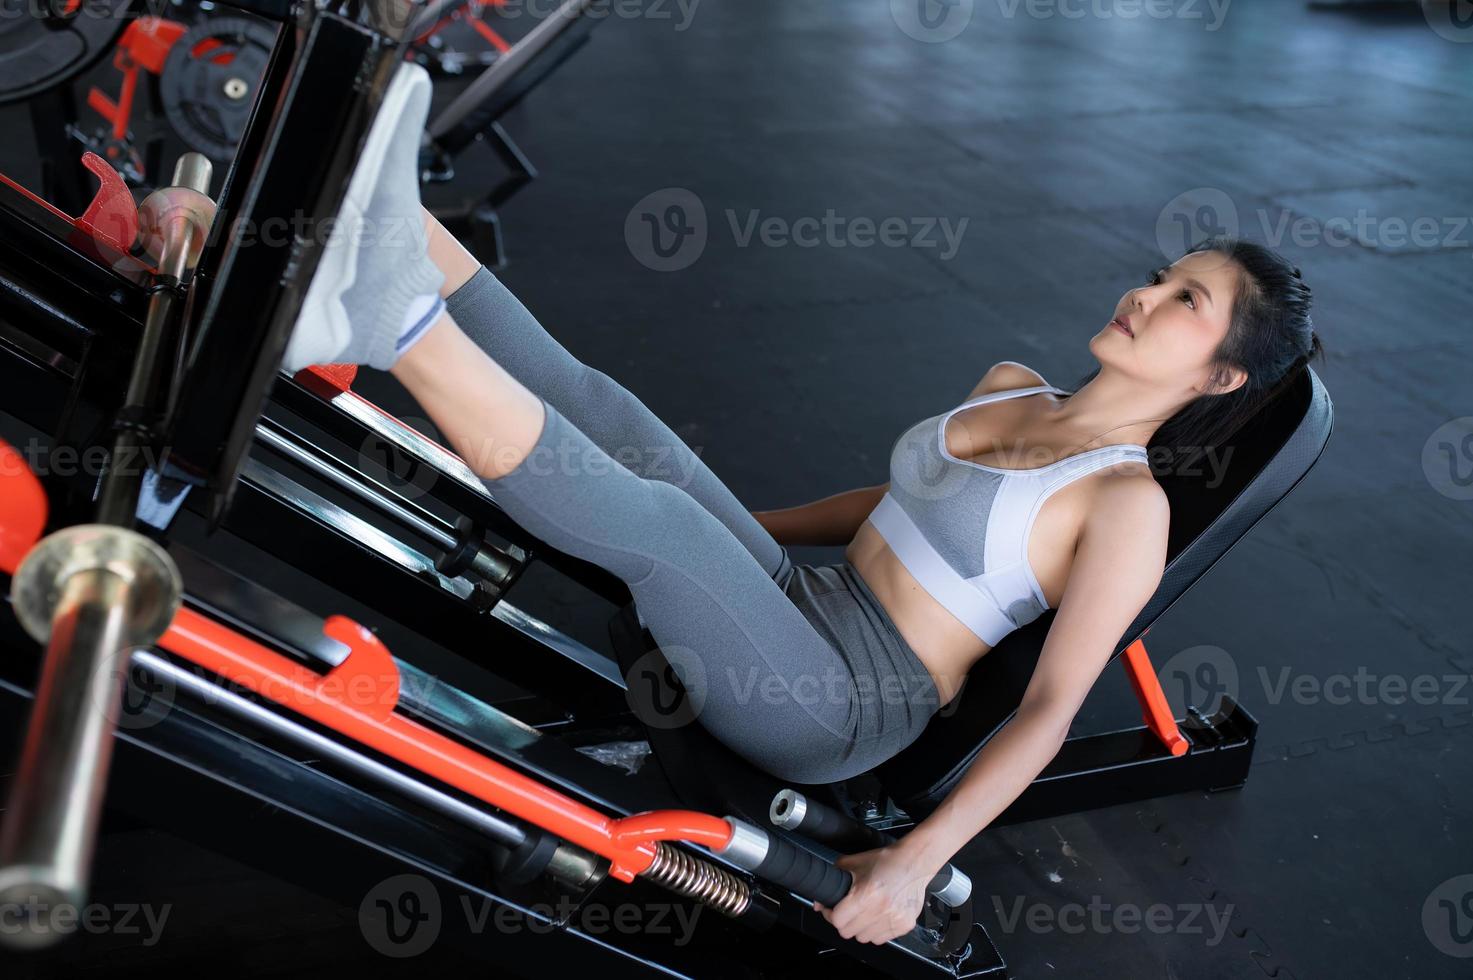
[1077,144]
[1073,147]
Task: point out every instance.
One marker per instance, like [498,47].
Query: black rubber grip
[828,826]
[803,872]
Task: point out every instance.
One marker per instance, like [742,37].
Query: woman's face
[1175,322]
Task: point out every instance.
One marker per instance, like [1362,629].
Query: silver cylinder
[91,593]
[748,845]
[788,809]
[184,238]
[575,866]
[193,170]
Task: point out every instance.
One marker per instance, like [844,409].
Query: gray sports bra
[961,528]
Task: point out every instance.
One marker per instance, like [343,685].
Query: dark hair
[1270,336]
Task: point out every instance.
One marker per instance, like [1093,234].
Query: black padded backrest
[1211,509]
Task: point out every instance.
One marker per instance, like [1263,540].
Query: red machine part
[22,508]
[111,218]
[143,47]
[1154,707]
[358,699]
[327,381]
[471,14]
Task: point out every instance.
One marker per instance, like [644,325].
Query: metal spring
[693,877]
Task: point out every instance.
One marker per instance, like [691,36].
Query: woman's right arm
[830,521]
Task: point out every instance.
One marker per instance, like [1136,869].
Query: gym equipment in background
[209,82]
[47,43]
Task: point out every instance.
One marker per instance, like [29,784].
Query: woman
[1026,497]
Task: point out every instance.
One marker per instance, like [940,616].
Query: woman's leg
[766,681]
[617,422]
[758,675]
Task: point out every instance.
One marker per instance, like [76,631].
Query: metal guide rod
[92,593]
[184,212]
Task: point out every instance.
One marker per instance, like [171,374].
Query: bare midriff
[946,647]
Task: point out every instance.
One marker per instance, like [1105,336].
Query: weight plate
[210,81]
[42,45]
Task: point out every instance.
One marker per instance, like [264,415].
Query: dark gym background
[1077,149]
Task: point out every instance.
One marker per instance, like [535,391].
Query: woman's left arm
[1117,567]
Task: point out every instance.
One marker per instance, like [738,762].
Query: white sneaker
[375,289]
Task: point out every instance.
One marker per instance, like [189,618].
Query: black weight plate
[208,103]
[40,49]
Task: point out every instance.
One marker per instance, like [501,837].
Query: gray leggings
[797,669]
